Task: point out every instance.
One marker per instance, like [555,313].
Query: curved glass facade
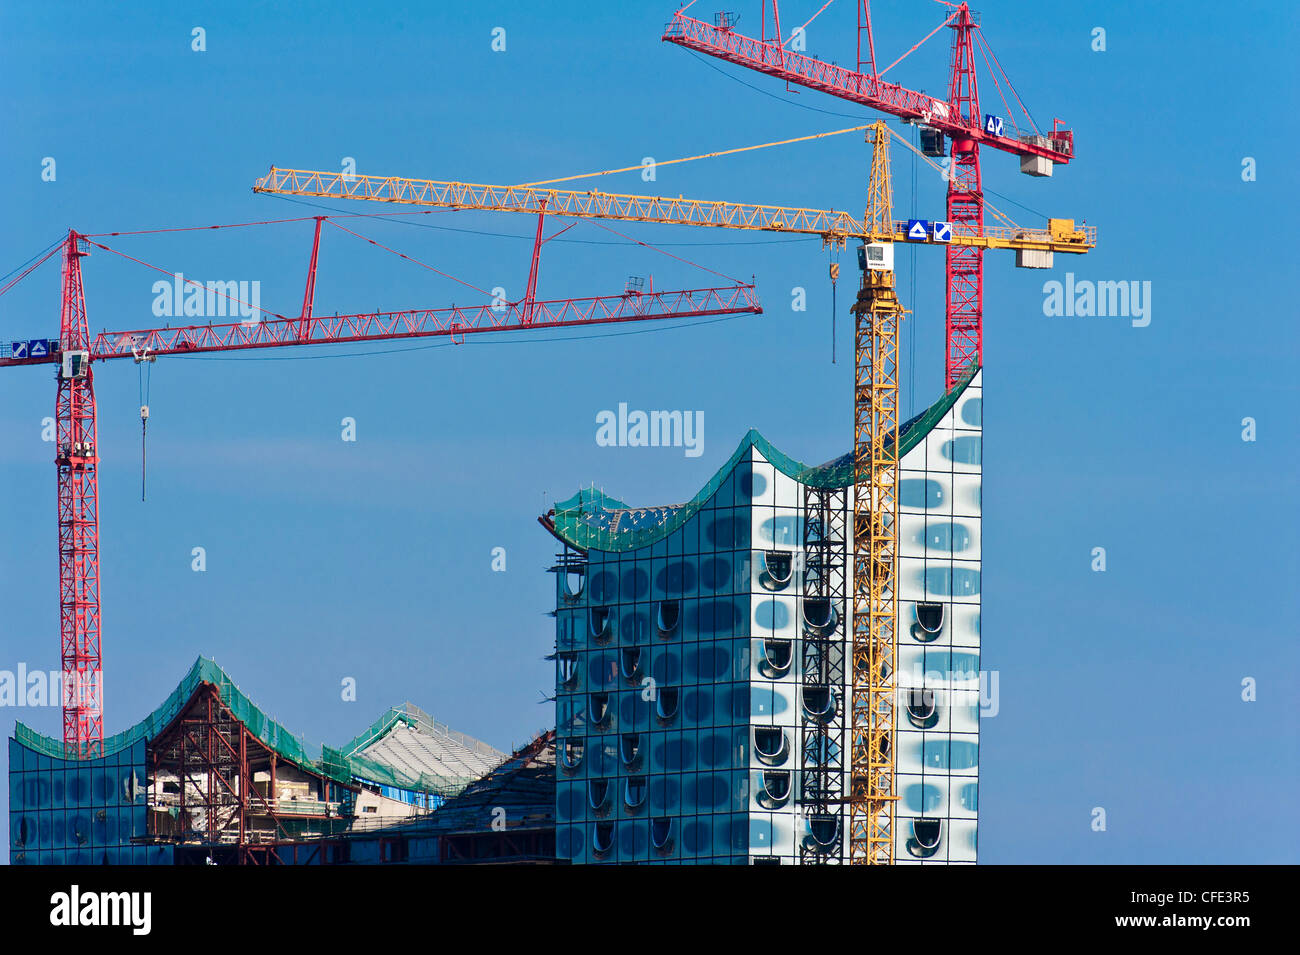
[718,706]
[79,812]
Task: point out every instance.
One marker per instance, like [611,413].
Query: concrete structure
[700,659]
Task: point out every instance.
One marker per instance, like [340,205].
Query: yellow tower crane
[878,315]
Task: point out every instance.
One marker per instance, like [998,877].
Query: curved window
[602,838]
[630,663]
[634,792]
[566,666]
[925,837]
[920,492]
[819,616]
[598,621]
[819,703]
[661,834]
[599,708]
[666,701]
[778,655]
[752,484]
[598,793]
[574,582]
[669,616]
[571,753]
[774,791]
[629,749]
[970,797]
[929,618]
[921,709]
[770,745]
[972,412]
[778,569]
[964,450]
[825,832]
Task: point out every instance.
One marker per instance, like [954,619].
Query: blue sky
[372,559]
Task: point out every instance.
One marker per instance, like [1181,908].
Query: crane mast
[77,464]
[877,316]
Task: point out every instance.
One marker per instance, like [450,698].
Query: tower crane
[878,314]
[77,458]
[958,118]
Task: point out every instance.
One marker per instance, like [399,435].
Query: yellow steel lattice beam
[833,226]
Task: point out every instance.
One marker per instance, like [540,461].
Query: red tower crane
[77,457]
[958,118]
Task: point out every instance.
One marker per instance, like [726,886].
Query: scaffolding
[822,722]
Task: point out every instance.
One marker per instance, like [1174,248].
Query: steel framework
[833,226]
[964,306]
[77,463]
[822,744]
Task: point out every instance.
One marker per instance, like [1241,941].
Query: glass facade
[937,738]
[79,812]
[681,709]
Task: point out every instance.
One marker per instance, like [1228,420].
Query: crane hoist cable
[835,275]
[144,362]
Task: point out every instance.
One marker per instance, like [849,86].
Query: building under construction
[702,677]
[208,778]
[701,703]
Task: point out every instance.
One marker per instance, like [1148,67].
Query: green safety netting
[593,520]
[342,765]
